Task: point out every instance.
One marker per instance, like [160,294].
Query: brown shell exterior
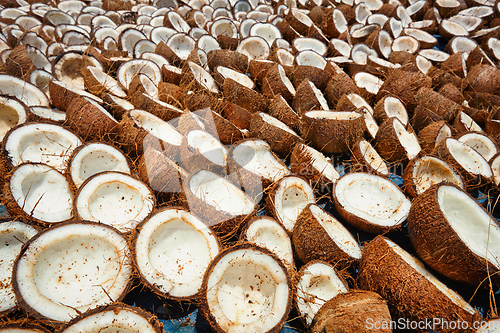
[434,101]
[379,112]
[60,97]
[484,79]
[340,84]
[404,85]
[438,245]
[228,58]
[305,99]
[171,93]
[422,117]
[387,143]
[409,294]
[93,85]
[318,76]
[192,159]
[354,309]
[427,137]
[359,161]
[273,85]
[143,101]
[311,241]
[258,69]
[244,96]
[19,63]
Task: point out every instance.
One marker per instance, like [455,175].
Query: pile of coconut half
[314,165]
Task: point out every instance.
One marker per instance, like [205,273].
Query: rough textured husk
[441,77]
[484,79]
[409,294]
[280,140]
[477,57]
[332,135]
[328,25]
[165,51]
[407,60]
[238,115]
[422,117]
[279,109]
[454,64]
[228,58]
[89,122]
[244,96]
[437,103]
[301,164]
[204,304]
[427,137]
[258,69]
[287,31]
[60,97]
[379,112]
[171,93]
[360,163]
[143,101]
[350,312]
[18,62]
[340,84]
[305,99]
[318,76]
[114,108]
[311,241]
[438,245]
[170,76]
[273,85]
[95,86]
[228,42]
[451,92]
[198,100]
[492,127]
[192,160]
[344,104]
[387,143]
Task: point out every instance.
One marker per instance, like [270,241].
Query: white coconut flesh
[26,92]
[149,86]
[285,57]
[338,115]
[360,53]
[78,91]
[420,268]
[116,319]
[173,250]
[444,132]
[203,77]
[477,11]
[224,27]
[429,170]
[313,44]
[182,45]
[469,123]
[219,193]
[286,80]
[468,158]
[368,81]
[236,76]
[131,68]
[341,46]
[276,123]
[156,126]
[94,158]
[337,232]
[322,163]
[372,157]
[408,140]
[13,235]
[38,58]
[382,62]
[265,30]
[434,55]
[394,108]
[359,102]
[310,58]
[495,167]
[207,145]
[482,144]
[372,198]
[40,142]
[291,197]
[67,69]
[115,199]
[107,81]
[101,109]
[319,96]
[72,268]
[247,291]
[256,157]
[318,284]
[269,234]
[254,47]
[385,42]
[378,19]
[12,113]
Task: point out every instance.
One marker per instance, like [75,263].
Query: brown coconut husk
[287,31]
[318,76]
[192,159]
[111,103]
[437,103]
[427,136]
[19,63]
[279,109]
[451,92]
[228,58]
[244,96]
[340,84]
[484,79]
[305,99]
[379,111]
[455,64]
[154,106]
[258,69]
[170,75]
[441,77]
[422,117]
[171,93]
[354,309]
[407,60]
[273,85]
[361,162]
[165,51]
[95,86]
[408,293]
[344,104]
[236,114]
[388,145]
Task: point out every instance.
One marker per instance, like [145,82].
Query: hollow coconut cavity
[172,251]
[318,283]
[115,199]
[12,113]
[372,158]
[93,158]
[370,202]
[246,289]
[13,235]
[71,268]
[480,143]
[468,158]
[156,127]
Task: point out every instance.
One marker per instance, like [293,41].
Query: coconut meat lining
[220,193]
[275,122]
[203,78]
[322,283]
[495,167]
[173,251]
[372,198]
[208,146]
[468,158]
[73,267]
[292,196]
[419,267]
[256,157]
[236,76]
[473,225]
[107,81]
[247,290]
[337,232]
[394,108]
[157,127]
[36,187]
[11,114]
[322,164]
[408,140]
[373,158]
[429,170]
[319,96]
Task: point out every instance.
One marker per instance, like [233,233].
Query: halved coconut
[317,283]
[266,232]
[390,106]
[465,228]
[99,83]
[480,142]
[277,83]
[26,92]
[495,167]
[142,83]
[196,78]
[62,94]
[287,198]
[13,235]
[424,171]
[395,143]
[128,70]
[439,104]
[94,157]
[244,96]
[39,142]
[369,202]
[254,47]
[71,268]
[12,113]
[308,97]
[468,162]
[433,134]
[246,289]
[117,316]
[319,235]
[22,328]
[66,68]
[201,150]
[172,251]
[411,290]
[218,202]
[366,159]
[114,198]
[153,105]
[281,110]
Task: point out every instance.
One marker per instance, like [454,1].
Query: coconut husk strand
[171,93]
[395,143]
[360,310]
[318,76]
[437,103]
[318,235]
[61,95]
[451,92]
[411,291]
[281,110]
[258,69]
[244,96]
[19,63]
[277,83]
[441,77]
[437,226]
[432,135]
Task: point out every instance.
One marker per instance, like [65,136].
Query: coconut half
[71,268]
[318,282]
[12,113]
[172,251]
[455,235]
[114,198]
[369,202]
[13,235]
[481,143]
[246,289]
[365,158]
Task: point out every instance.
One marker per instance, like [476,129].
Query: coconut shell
[427,137]
[164,50]
[236,114]
[228,58]
[192,159]
[19,63]
[440,247]
[355,309]
[455,65]
[437,103]
[305,99]
[484,79]
[273,85]
[379,112]
[60,96]
[328,25]
[360,162]
[312,242]
[441,77]
[423,117]
[318,76]
[406,59]
[171,93]
[258,69]
[404,85]
[287,31]
[339,85]
[279,109]
[244,96]
[143,101]
[344,104]
[388,145]
[95,86]
[408,293]
[451,92]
